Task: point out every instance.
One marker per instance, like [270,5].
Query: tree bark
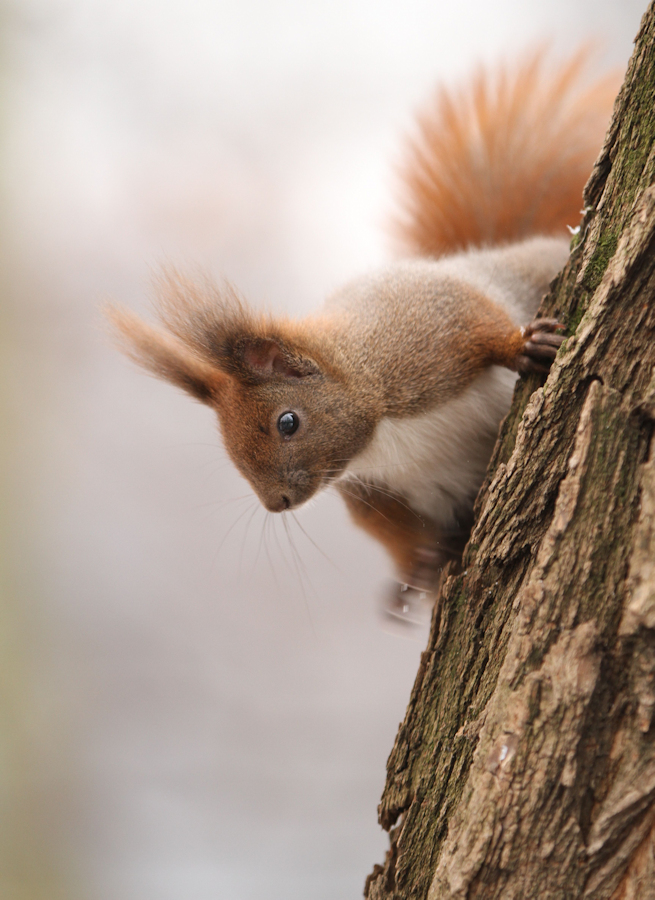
[525,766]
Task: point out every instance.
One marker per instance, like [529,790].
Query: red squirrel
[394,391]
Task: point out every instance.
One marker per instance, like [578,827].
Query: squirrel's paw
[428,562]
[541,345]
[406,605]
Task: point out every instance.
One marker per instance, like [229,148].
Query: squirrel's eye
[288,423]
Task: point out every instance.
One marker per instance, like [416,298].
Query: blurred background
[194,703]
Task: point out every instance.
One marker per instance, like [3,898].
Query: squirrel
[394,391]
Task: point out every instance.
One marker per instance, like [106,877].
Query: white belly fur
[438,460]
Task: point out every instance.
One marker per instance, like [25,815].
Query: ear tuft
[209,335]
[165,355]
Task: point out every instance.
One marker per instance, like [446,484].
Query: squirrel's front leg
[418,547]
[489,337]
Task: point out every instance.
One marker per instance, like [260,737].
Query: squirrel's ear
[268,357]
[165,355]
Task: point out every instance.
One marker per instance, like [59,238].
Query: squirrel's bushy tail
[504,157]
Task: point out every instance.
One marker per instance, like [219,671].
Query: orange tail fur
[504,157]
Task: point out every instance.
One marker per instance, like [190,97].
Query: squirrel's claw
[540,347]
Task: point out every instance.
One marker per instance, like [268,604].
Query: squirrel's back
[504,157]
[516,276]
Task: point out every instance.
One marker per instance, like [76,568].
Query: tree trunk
[525,767]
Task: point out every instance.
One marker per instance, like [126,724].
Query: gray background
[198,705]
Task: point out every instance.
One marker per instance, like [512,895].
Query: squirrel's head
[290,419]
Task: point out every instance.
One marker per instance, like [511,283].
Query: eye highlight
[288,424]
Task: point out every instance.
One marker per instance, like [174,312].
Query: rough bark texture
[525,767]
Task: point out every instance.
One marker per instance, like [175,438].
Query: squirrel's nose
[279,504]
